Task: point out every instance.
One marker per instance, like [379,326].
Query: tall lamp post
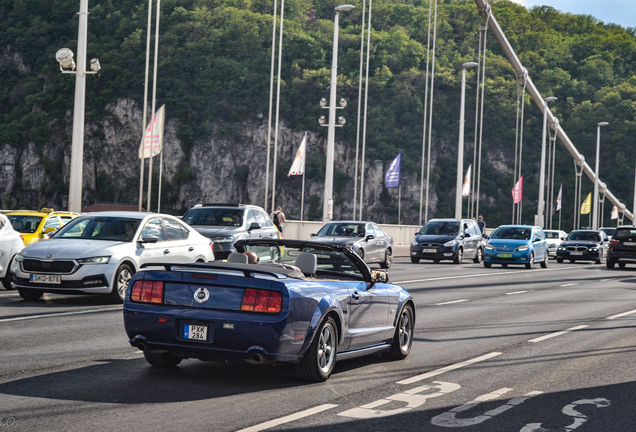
[540,219]
[327,209]
[460,147]
[65,58]
[598,148]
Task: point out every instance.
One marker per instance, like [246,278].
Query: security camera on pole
[327,209]
[65,58]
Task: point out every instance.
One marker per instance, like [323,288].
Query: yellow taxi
[37,225]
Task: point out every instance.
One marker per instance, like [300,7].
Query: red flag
[517,191]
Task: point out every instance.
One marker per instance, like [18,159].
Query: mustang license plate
[576,253]
[196,332]
[504,255]
[42,278]
[429,250]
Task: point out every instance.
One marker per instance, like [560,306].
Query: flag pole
[160,175]
[302,198]
[399,204]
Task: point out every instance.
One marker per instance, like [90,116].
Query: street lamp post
[540,219]
[65,58]
[598,148]
[460,147]
[327,209]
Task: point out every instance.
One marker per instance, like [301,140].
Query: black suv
[622,247]
[448,239]
[225,224]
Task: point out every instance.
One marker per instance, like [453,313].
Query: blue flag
[393,176]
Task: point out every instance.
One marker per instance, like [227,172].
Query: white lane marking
[61,314]
[289,418]
[516,292]
[449,368]
[551,335]
[572,284]
[477,275]
[450,302]
[621,314]
[9,294]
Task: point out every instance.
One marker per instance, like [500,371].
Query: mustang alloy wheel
[120,283]
[403,337]
[320,358]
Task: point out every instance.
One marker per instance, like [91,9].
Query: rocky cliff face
[227,168]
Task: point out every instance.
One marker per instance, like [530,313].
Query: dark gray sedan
[367,239]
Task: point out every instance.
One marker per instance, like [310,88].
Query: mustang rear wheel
[320,358]
[403,337]
[162,359]
[120,283]
[388,256]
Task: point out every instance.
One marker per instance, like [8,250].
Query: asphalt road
[495,350]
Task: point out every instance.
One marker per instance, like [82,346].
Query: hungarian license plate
[504,255]
[196,332]
[576,253]
[629,243]
[429,250]
[42,278]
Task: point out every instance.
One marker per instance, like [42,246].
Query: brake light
[255,300]
[147,292]
[614,242]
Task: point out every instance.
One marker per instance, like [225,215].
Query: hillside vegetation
[214,69]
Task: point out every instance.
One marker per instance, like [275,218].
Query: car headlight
[414,243]
[594,250]
[489,247]
[522,248]
[18,257]
[94,260]
[449,243]
[224,239]
[561,248]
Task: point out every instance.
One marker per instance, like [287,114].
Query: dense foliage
[215,65]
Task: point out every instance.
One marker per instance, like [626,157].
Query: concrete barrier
[297,230]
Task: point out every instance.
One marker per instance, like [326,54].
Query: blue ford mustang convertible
[304,303]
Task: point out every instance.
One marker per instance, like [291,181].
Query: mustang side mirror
[370,237]
[254,225]
[379,276]
[149,239]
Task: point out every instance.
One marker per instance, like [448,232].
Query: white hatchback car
[554,238]
[11,243]
[98,253]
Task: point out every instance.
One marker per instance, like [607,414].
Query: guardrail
[297,230]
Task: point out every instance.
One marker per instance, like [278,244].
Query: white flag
[558,208]
[298,166]
[466,186]
[154,133]
[614,213]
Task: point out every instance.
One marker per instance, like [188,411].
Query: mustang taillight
[255,300]
[147,292]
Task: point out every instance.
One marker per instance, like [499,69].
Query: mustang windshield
[342,230]
[100,228]
[512,233]
[330,263]
[440,228]
[214,217]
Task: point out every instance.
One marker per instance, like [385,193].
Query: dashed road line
[450,302]
[478,275]
[516,292]
[621,314]
[449,368]
[61,314]
[570,284]
[551,335]
[289,418]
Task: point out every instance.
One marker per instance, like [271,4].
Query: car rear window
[625,232]
[25,224]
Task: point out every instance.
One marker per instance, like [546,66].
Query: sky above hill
[622,12]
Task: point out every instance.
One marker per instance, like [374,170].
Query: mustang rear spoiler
[247,269]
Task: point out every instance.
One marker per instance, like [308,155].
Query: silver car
[367,239]
[10,244]
[554,238]
[99,252]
